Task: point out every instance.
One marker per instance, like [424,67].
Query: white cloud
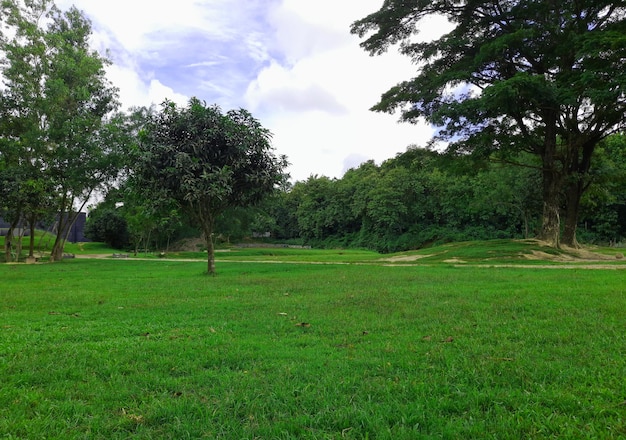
[292,63]
[320,135]
[283,89]
[157,93]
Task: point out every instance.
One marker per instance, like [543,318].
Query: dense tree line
[422,197]
[418,198]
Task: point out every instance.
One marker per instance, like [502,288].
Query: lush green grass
[156,349]
[44,242]
[492,252]
[285,255]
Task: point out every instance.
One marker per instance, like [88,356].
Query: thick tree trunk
[550,221]
[578,182]
[573,196]
[550,224]
[551,181]
[57,249]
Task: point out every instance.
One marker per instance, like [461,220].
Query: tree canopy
[207,162]
[546,77]
[55,107]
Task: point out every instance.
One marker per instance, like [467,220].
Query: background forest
[418,198]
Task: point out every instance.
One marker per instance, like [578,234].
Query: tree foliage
[544,77]
[108,226]
[418,198]
[207,162]
[55,107]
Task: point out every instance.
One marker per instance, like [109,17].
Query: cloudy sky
[292,63]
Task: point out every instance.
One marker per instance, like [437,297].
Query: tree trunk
[56,254]
[8,241]
[18,248]
[207,229]
[550,225]
[66,222]
[551,181]
[31,246]
[210,253]
[8,245]
[57,250]
[551,219]
[573,196]
[146,243]
[577,184]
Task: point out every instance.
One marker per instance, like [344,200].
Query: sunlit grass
[157,349]
[490,252]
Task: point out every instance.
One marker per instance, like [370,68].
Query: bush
[109,227]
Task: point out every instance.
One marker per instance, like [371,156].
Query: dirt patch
[404,258]
[94,256]
[571,255]
[188,245]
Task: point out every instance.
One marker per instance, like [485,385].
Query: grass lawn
[116,349]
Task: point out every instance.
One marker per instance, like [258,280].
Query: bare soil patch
[404,258]
[571,255]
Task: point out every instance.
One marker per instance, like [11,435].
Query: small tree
[207,162]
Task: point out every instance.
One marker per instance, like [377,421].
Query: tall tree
[22,66]
[57,102]
[546,77]
[207,162]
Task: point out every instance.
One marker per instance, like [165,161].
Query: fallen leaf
[427,338]
[133,417]
[303,324]
[448,339]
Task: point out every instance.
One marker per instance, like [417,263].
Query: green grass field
[116,349]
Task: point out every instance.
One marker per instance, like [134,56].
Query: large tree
[56,103]
[546,77]
[207,162]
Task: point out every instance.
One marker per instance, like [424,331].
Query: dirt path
[588,264]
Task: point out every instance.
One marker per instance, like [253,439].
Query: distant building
[76,235]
